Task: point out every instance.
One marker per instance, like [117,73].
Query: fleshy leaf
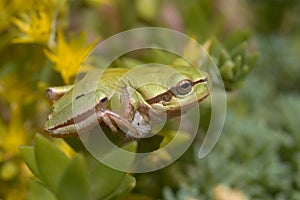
[51,162]
[74,182]
[29,158]
[38,190]
[104,180]
[126,186]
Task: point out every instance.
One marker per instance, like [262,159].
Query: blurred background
[258,154]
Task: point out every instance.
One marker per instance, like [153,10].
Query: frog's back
[111,78]
[97,79]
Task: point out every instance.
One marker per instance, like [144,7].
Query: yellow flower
[68,57]
[35,27]
[14,134]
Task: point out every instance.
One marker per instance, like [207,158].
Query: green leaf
[227,70]
[241,49]
[237,65]
[168,194]
[104,180]
[29,158]
[119,157]
[131,146]
[38,190]
[224,56]
[177,137]
[51,162]
[74,182]
[126,186]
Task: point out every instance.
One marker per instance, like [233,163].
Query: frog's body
[136,92]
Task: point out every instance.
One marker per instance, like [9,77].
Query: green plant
[79,177]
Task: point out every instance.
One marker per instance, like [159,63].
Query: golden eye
[184,87]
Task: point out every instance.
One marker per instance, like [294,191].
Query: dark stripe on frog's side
[164,97]
[77,119]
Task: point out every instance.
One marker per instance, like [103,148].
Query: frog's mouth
[177,111]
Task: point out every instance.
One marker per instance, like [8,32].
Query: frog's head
[185,88]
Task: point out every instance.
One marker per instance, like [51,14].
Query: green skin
[169,90]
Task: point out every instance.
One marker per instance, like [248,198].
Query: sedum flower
[13,135]
[35,27]
[68,57]
[12,131]
[9,9]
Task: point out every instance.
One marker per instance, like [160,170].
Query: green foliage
[258,152]
[233,58]
[81,177]
[257,156]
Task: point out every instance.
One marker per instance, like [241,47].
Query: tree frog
[138,94]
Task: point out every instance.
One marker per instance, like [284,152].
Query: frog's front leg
[115,121]
[130,103]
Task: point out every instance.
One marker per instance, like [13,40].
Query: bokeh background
[258,155]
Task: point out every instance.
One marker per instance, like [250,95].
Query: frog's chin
[179,110]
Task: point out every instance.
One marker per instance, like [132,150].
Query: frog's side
[137,91]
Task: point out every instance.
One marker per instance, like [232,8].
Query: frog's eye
[184,87]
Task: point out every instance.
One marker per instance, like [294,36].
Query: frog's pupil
[185,85]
